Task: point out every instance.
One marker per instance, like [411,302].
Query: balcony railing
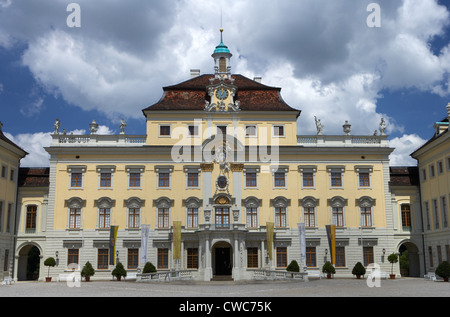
[98,140]
[342,140]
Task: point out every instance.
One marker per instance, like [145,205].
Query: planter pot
[48,279]
[87,278]
[358,277]
[392,276]
[328,276]
[445,279]
[119,278]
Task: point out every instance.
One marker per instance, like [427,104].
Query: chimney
[257,79]
[195,73]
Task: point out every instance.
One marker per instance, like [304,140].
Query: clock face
[222,93]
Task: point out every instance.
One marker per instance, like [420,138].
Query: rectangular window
[336,179]
[252,258]
[134,219]
[163,258]
[368,255]
[280,217]
[427,215]
[11,177]
[250,130]
[192,258]
[163,218]
[192,179]
[73,256]
[250,180]
[4,171]
[102,259]
[30,226]
[444,211]
[105,180]
[308,179]
[1,216]
[9,218]
[278,130]
[192,218]
[311,257]
[340,256]
[135,180]
[76,180]
[430,256]
[6,261]
[364,179]
[432,174]
[366,216]
[406,216]
[280,179]
[281,257]
[309,216]
[222,217]
[252,217]
[164,130]
[74,218]
[222,129]
[436,214]
[193,130]
[440,167]
[164,180]
[104,218]
[133,259]
[338,216]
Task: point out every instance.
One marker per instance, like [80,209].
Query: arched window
[163,206]
[104,208]
[338,205]
[192,205]
[251,205]
[366,204]
[309,205]
[222,65]
[75,206]
[280,205]
[134,207]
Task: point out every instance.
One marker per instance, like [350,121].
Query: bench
[131,276]
[69,277]
[8,281]
[430,276]
[314,273]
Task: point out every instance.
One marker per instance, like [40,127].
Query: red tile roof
[192,94]
[34,177]
[404,176]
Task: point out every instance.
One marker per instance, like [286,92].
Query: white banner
[145,231]
[302,236]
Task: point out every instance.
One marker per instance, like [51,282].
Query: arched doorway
[409,259]
[222,259]
[28,263]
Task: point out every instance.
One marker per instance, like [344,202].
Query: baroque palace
[222,185]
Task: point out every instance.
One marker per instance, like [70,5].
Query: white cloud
[33,144]
[404,146]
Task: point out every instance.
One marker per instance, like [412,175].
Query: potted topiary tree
[119,271]
[87,271]
[50,262]
[392,258]
[149,268]
[329,269]
[359,270]
[443,270]
[293,267]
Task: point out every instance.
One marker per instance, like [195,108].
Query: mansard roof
[192,94]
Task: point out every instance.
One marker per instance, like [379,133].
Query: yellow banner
[177,240]
[331,232]
[112,244]
[269,229]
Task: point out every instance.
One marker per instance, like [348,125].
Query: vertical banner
[177,240]
[269,229]
[145,231]
[112,244]
[331,234]
[302,237]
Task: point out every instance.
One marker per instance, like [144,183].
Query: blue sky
[322,54]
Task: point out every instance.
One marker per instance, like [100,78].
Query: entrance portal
[222,257]
[28,264]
